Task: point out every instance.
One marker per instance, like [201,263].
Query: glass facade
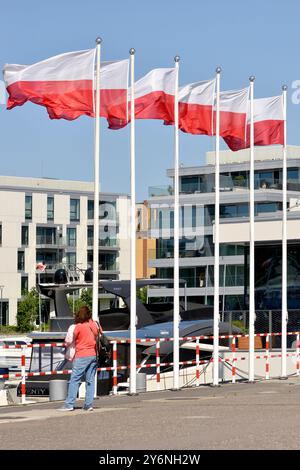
[268,269]
[271,179]
[188,247]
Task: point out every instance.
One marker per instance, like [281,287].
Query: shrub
[28,311]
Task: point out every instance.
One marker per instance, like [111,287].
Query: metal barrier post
[233,368]
[197,363]
[158,364]
[270,325]
[115,368]
[297,353]
[23,373]
[268,357]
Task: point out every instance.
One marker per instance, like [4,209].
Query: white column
[176,317]
[251,239]
[217,237]
[284,313]
[132,388]
[96,184]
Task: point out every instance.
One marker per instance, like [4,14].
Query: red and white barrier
[157,366]
[267,357]
[233,368]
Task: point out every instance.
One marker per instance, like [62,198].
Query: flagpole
[96,185]
[284,313]
[132,388]
[217,236]
[176,317]
[251,240]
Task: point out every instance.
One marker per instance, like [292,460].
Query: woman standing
[85,363]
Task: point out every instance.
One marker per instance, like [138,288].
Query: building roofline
[51,185]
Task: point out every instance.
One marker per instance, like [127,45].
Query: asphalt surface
[263,415]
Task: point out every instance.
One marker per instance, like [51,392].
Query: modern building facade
[50,222]
[197,211]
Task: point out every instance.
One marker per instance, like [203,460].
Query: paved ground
[264,415]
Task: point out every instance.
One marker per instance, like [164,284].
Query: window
[74,210]
[21,261]
[28,207]
[71,260]
[90,235]
[190,184]
[90,209]
[3,312]
[24,285]
[24,235]
[46,236]
[71,234]
[50,208]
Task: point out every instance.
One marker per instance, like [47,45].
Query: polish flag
[233,113]
[268,124]
[64,85]
[196,107]
[40,267]
[154,97]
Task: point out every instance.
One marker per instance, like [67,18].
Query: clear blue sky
[255,37]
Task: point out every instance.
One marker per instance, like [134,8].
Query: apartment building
[197,211]
[48,221]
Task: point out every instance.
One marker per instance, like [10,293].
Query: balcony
[158,191]
[109,243]
[44,241]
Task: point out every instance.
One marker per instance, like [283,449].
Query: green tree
[28,311]
[85,299]
[142,294]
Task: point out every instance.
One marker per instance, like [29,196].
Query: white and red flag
[64,85]
[268,124]
[233,113]
[196,102]
[40,267]
[154,97]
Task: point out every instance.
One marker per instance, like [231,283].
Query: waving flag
[64,85]
[40,267]
[154,97]
[268,124]
[233,113]
[196,107]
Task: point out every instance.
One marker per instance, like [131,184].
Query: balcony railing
[51,240]
[105,243]
[157,191]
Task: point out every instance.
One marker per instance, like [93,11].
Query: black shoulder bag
[103,348]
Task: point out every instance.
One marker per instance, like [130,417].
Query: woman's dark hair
[83,315]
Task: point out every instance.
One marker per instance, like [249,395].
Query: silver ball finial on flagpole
[252,78]
[132,51]
[218,70]
[284,87]
[177,58]
[98,40]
